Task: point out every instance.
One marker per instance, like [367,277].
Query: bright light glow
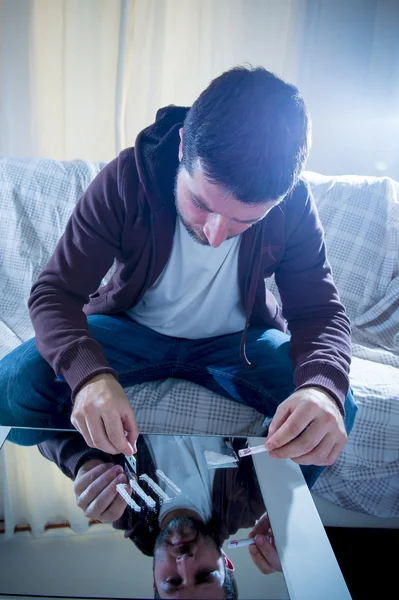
[380,165]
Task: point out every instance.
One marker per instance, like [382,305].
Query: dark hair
[229,586]
[251,132]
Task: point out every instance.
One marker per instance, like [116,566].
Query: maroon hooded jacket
[127,217]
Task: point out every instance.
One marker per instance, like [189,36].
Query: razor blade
[131,464]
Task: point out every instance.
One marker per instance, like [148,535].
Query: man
[184,535]
[189,562]
[208,204]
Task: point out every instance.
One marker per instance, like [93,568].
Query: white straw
[240,543]
[252,450]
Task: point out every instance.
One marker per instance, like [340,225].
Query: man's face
[208,213]
[187,561]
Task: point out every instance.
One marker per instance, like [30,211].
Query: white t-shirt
[197,294]
[183,460]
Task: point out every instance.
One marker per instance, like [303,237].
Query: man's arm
[69,452]
[81,259]
[319,327]
[83,256]
[308,426]
[95,476]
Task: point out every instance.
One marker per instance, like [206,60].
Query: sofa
[360,216]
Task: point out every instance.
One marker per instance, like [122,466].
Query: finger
[268,551]
[260,561]
[116,509]
[261,558]
[133,449]
[297,421]
[92,491]
[261,526]
[267,531]
[99,435]
[115,432]
[131,429]
[319,455]
[282,413]
[304,443]
[80,424]
[336,451]
[102,501]
[83,481]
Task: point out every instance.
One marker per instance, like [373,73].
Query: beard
[197,236]
[183,525]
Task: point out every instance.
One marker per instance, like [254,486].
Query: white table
[310,568]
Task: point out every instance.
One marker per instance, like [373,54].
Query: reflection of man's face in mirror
[187,561]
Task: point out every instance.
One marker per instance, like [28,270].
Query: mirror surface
[189,498]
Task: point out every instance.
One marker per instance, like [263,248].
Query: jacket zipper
[152,263]
[250,304]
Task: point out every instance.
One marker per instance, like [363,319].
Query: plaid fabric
[366,475]
[36,200]
[174,406]
[360,216]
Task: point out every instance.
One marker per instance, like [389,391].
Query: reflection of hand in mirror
[102,413]
[263,552]
[95,490]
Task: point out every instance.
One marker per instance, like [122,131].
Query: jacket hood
[156,153]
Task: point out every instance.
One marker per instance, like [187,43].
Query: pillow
[36,199]
[360,216]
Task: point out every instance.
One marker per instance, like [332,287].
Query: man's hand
[313,415]
[95,490]
[263,552]
[102,413]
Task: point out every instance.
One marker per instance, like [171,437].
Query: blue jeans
[32,396]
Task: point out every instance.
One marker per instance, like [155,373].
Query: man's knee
[24,363]
[21,371]
[270,347]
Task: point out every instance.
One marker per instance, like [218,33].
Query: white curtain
[59,74]
[37,493]
[80,78]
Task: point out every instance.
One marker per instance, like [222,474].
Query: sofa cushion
[360,216]
[36,200]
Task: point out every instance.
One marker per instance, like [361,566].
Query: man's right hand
[95,490]
[102,413]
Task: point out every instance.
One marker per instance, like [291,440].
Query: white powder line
[121,489]
[166,479]
[147,499]
[154,486]
[215,458]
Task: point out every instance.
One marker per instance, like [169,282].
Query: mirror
[191,498]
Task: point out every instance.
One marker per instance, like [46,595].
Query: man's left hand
[308,428]
[263,552]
